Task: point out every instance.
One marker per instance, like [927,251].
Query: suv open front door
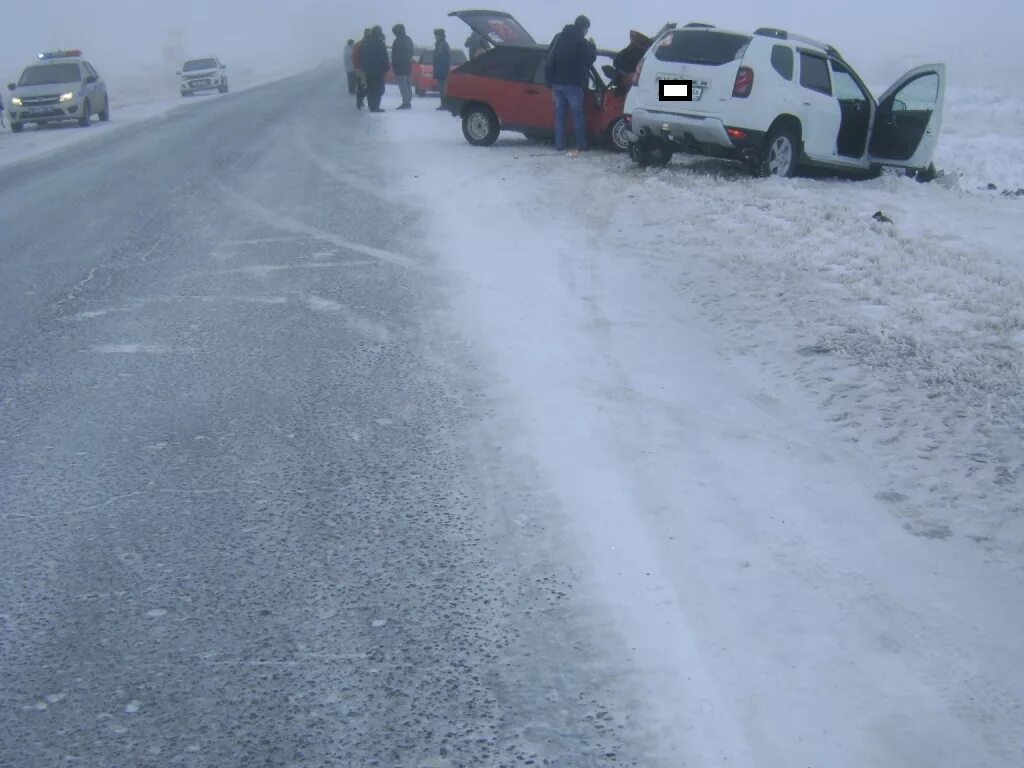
[908,119]
[496,27]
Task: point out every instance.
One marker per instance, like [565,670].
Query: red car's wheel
[480,126]
[616,137]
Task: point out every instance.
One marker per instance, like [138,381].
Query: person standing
[375,64]
[357,63]
[350,69]
[402,52]
[567,69]
[475,45]
[442,63]
[627,60]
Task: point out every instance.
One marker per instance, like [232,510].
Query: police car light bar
[59,54]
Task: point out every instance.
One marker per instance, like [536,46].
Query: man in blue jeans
[567,67]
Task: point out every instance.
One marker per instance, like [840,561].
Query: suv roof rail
[778,34]
[698,25]
[811,41]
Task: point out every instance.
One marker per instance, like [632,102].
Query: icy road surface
[246,515]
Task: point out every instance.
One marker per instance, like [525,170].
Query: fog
[879,37]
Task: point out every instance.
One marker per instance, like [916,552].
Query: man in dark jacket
[402,52]
[567,69]
[442,62]
[375,65]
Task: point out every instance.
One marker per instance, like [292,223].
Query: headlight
[66,97]
[15,101]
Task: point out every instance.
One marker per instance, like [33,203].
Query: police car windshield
[49,74]
[192,66]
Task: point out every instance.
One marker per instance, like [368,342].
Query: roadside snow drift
[786,437]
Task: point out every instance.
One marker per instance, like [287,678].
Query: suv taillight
[636,72]
[744,83]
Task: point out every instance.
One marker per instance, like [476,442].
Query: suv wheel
[480,126]
[17,127]
[224,87]
[778,158]
[86,114]
[105,114]
[616,135]
[647,153]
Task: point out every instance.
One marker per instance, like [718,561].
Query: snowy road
[245,516]
[327,439]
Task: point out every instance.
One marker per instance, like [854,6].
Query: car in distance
[423,79]
[207,74]
[60,86]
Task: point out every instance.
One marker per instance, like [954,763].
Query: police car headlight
[66,97]
[15,101]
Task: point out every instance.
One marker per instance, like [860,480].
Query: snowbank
[785,439]
[982,139]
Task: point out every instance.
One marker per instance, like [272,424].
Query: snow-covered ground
[786,438]
[135,96]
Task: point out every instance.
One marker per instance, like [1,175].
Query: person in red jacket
[357,63]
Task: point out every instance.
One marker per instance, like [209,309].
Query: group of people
[367,63]
[567,66]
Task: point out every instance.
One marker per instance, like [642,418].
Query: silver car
[60,87]
[203,75]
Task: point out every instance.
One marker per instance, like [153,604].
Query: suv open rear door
[496,27]
[908,119]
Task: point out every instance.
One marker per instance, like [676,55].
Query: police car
[203,75]
[60,86]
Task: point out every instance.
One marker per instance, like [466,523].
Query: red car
[503,88]
[423,70]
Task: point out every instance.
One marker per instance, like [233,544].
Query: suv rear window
[782,60]
[51,74]
[699,46]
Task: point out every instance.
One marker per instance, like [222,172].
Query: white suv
[778,101]
[203,75]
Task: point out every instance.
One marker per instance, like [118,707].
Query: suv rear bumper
[697,134]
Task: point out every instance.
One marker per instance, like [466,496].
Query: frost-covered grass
[982,137]
[785,437]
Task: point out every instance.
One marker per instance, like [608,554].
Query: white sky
[880,35]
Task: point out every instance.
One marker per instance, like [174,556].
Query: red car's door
[505,78]
[536,106]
